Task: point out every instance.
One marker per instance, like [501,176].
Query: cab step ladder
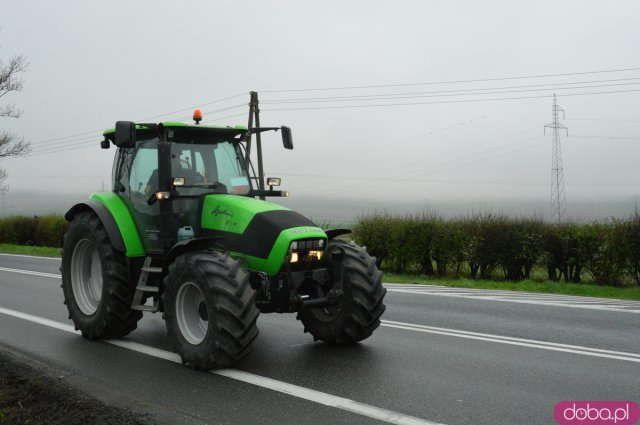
[144,290]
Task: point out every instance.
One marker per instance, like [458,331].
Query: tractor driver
[185,170]
[152,184]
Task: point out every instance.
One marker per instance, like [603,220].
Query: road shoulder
[32,393]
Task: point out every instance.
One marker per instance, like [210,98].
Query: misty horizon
[346,211]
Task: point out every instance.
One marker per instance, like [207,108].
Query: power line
[608,137]
[13,176]
[62,147]
[61,150]
[457,165]
[446,101]
[410,95]
[458,182]
[93,141]
[169,113]
[53,147]
[228,116]
[75,144]
[442,166]
[451,82]
[602,119]
[63,143]
[196,106]
[360,152]
[188,117]
[75,139]
[429,162]
[67,137]
[360,87]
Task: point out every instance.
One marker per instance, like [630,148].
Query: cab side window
[230,170]
[143,175]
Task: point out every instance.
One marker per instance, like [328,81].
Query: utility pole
[254,119]
[558,198]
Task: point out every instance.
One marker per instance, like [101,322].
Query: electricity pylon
[558,199]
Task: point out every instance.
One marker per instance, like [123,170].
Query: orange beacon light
[197,116]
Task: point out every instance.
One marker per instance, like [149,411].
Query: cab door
[137,180]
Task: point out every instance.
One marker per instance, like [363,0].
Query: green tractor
[186,231]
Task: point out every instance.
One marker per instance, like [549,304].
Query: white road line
[543,345]
[30,256]
[458,289]
[499,293]
[302,343]
[546,302]
[342,403]
[55,276]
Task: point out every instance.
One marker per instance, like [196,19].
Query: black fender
[334,233]
[105,217]
[189,245]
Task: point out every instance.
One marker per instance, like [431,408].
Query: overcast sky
[93,63]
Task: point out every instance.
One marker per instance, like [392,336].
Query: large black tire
[209,309]
[358,312]
[94,281]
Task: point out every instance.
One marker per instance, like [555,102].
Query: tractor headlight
[315,254]
[306,250]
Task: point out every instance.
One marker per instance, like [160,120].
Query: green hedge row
[480,246]
[486,246]
[36,231]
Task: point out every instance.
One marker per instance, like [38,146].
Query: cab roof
[214,129]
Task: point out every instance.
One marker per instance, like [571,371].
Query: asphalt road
[441,356]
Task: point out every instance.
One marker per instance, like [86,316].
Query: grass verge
[41,251]
[547,287]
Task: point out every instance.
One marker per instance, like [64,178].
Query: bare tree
[11,144]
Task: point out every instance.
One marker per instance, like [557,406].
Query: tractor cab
[178,165]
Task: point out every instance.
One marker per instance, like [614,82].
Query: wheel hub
[192,313]
[86,276]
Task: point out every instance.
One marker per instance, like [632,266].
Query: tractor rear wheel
[357,313]
[95,281]
[209,309]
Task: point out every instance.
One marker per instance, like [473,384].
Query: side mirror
[287,141]
[125,134]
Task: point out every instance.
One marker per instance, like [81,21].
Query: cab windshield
[209,167]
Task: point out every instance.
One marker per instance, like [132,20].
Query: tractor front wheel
[95,281]
[357,313]
[209,310]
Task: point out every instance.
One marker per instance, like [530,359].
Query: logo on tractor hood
[305,230]
[222,210]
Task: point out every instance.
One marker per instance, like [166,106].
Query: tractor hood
[260,230]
